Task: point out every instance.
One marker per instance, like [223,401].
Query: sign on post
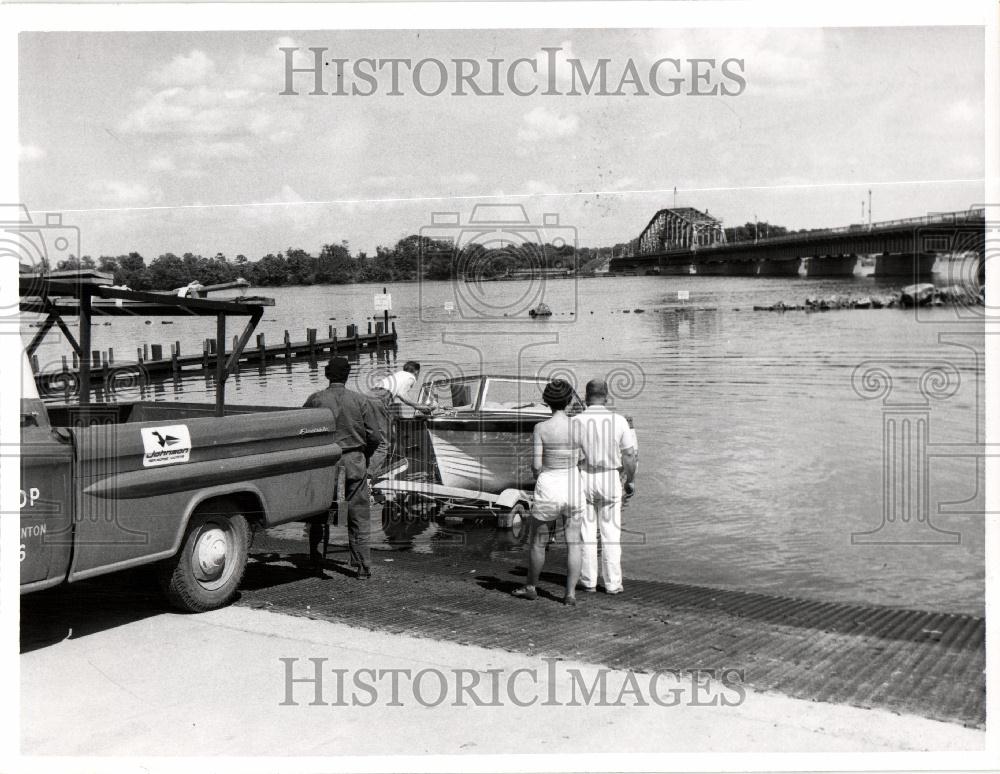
[383,302]
[683,295]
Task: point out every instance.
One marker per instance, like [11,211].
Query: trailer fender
[508,498]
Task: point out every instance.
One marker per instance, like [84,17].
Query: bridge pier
[831,265]
[675,268]
[904,265]
[713,269]
[727,268]
[788,267]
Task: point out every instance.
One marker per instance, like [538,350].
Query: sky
[181,142]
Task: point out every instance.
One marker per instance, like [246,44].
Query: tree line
[413,257]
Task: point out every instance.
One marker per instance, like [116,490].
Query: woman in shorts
[558,492]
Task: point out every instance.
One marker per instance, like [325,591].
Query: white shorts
[559,493]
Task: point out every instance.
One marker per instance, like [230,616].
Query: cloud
[460,179]
[964,112]
[120,193]
[540,188]
[774,58]
[543,124]
[161,164]
[30,152]
[623,184]
[185,70]
[221,149]
[197,111]
[384,181]
[285,208]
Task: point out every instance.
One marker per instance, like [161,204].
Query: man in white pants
[609,461]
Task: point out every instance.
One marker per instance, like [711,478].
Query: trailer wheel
[206,572]
[515,519]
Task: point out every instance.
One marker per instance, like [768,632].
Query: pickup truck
[167,483]
[107,486]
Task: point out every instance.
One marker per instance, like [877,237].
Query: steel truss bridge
[679,242]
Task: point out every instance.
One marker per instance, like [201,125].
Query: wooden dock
[152,361]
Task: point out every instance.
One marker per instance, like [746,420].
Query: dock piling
[167,359]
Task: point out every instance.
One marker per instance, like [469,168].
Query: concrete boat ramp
[908,661]
[134,678]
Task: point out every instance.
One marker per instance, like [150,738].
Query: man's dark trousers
[359,528]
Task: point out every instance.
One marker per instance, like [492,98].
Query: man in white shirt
[386,393]
[609,460]
[398,384]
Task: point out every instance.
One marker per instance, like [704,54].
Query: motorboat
[475,448]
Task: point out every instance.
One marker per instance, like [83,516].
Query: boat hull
[486,454]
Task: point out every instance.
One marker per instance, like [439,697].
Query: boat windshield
[514,395]
[452,393]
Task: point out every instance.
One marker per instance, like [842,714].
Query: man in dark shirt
[357,433]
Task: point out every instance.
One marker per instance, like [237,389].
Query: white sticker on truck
[165,445]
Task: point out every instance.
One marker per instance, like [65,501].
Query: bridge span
[901,248]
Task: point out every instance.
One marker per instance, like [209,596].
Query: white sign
[165,445]
[683,295]
[383,302]
[449,306]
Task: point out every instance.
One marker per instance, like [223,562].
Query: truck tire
[207,571]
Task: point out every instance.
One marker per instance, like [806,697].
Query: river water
[772,445]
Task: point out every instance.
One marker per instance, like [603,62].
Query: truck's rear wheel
[207,571]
